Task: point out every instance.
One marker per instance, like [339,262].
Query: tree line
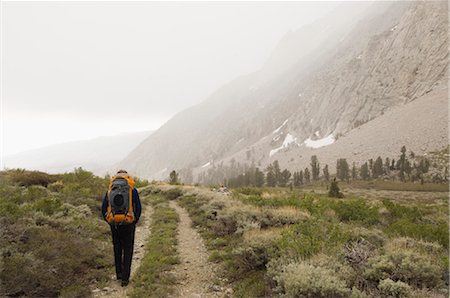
[405,168]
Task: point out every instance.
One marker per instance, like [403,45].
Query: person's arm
[137,208]
[105,206]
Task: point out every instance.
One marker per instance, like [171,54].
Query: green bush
[356,210]
[304,280]
[47,205]
[305,239]
[425,231]
[406,266]
[391,288]
[173,193]
[28,178]
[249,191]
[397,211]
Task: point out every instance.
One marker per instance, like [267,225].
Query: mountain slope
[97,155]
[393,55]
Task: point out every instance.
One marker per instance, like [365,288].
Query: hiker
[121,208]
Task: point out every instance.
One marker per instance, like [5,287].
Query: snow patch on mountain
[281,126]
[287,141]
[328,140]
[206,164]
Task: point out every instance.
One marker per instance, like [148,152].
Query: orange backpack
[120,200]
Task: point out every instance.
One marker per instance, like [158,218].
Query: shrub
[28,178]
[356,210]
[310,237]
[426,231]
[374,236]
[304,280]
[173,193]
[406,266]
[391,288]
[47,205]
[356,253]
[249,191]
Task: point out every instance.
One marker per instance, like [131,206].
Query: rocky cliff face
[388,56]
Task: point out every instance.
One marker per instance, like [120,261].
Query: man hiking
[121,208]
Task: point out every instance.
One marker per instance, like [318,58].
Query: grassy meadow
[301,243]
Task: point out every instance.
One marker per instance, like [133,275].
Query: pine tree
[277,172]
[173,177]
[342,169]
[387,164]
[326,173]
[365,171]
[259,178]
[307,176]
[392,165]
[284,178]
[354,172]
[300,177]
[377,168]
[295,179]
[315,168]
[270,176]
[334,191]
[401,164]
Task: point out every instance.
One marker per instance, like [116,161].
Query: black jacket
[137,209]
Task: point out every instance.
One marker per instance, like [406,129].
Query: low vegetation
[153,278]
[54,242]
[294,243]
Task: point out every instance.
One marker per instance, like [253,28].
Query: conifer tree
[284,178]
[307,176]
[326,173]
[315,168]
[342,169]
[334,190]
[295,179]
[300,177]
[387,164]
[354,172]
[377,168]
[364,171]
[277,172]
[259,178]
[173,177]
[270,176]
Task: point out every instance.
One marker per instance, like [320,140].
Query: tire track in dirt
[196,276]
[113,289]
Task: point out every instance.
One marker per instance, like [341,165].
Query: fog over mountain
[321,83]
[97,155]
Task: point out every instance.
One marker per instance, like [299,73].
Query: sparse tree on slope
[365,171]
[284,178]
[270,176]
[377,168]
[315,168]
[334,191]
[342,169]
[259,178]
[307,175]
[173,177]
[326,173]
[354,172]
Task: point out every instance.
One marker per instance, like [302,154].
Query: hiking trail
[113,289]
[196,276]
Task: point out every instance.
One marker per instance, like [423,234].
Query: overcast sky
[81,70]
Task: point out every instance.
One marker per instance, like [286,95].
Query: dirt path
[113,289]
[195,274]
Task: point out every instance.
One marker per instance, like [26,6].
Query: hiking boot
[124,283]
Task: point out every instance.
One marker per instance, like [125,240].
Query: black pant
[123,241]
